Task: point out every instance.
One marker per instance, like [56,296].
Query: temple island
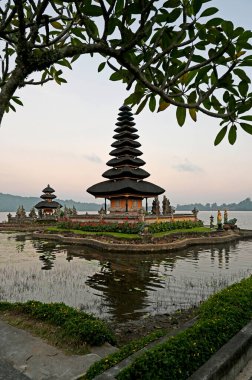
[126,188]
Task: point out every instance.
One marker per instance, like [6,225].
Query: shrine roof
[126,171]
[45,204]
[123,187]
[48,189]
[126,160]
[129,150]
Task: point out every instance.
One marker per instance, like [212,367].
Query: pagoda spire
[125,183]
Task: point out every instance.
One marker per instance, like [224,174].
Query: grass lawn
[183,230]
[131,236]
[79,232]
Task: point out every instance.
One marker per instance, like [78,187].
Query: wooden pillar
[146,204]
[126,204]
[106,205]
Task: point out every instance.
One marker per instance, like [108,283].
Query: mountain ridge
[10,202]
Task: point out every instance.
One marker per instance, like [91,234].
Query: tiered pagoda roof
[125,178]
[48,197]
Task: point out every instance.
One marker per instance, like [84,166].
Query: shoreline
[148,244]
[113,246]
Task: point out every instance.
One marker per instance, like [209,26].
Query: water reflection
[117,285]
[48,252]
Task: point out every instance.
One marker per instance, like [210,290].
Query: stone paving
[246,373]
[24,356]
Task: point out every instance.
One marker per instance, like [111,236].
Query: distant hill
[245,205]
[10,202]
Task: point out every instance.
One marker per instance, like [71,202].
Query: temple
[48,205]
[125,187]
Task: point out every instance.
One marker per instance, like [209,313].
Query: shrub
[83,327]
[126,228]
[220,318]
[176,225]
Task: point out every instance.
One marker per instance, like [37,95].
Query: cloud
[93,158]
[187,166]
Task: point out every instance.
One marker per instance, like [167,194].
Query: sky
[63,135]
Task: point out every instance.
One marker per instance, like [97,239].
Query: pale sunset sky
[63,135]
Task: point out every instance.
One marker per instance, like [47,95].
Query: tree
[173,52]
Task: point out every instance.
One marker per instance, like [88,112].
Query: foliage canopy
[173,52]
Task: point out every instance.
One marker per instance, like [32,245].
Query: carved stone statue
[225,216]
[219,220]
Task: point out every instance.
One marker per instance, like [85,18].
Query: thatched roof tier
[126,160]
[123,122]
[125,134]
[124,142]
[125,187]
[124,128]
[48,189]
[45,204]
[126,172]
[125,113]
[125,150]
[48,196]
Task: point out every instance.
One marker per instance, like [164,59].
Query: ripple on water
[115,285]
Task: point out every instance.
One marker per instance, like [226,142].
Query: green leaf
[193,113]
[181,115]
[17,100]
[247,127]
[214,22]
[56,25]
[163,105]
[172,4]
[228,28]
[174,15]
[12,107]
[197,4]
[77,32]
[119,6]
[220,135]
[142,105]
[64,62]
[152,103]
[75,57]
[232,135]
[93,10]
[242,75]
[243,88]
[116,76]
[248,118]
[209,12]
[101,66]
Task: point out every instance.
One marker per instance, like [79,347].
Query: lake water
[117,286]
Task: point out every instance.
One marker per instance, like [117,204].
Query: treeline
[245,205]
[10,203]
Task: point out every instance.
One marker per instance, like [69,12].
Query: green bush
[176,225]
[83,327]
[126,227]
[127,350]
[220,318]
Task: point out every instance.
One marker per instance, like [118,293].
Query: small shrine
[48,206]
[125,187]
